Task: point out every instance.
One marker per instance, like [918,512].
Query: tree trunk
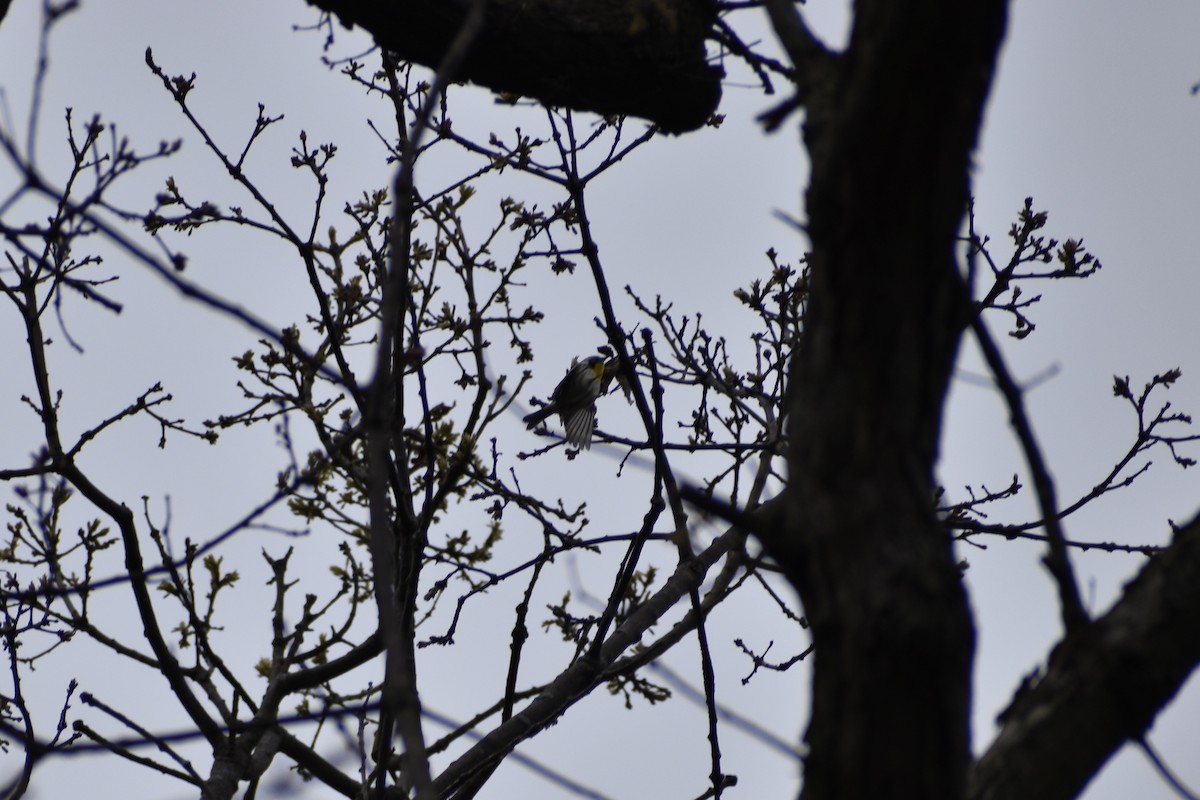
[893,632]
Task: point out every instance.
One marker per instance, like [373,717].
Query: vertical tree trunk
[890,619]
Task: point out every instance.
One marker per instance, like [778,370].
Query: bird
[574,399]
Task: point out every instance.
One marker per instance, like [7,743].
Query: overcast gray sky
[1092,115]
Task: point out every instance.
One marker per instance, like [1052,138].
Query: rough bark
[891,625]
[644,58]
[1103,685]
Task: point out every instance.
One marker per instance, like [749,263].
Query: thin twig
[1167,774]
[1057,560]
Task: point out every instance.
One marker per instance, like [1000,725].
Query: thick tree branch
[1104,685]
[644,58]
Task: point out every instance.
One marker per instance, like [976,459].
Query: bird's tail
[537,417]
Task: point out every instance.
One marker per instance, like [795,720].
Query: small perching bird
[574,399]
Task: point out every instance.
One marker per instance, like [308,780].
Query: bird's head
[596,365]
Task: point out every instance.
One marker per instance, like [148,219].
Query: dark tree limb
[1057,559]
[644,58]
[1103,686]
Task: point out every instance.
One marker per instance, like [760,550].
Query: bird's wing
[577,388]
[579,427]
